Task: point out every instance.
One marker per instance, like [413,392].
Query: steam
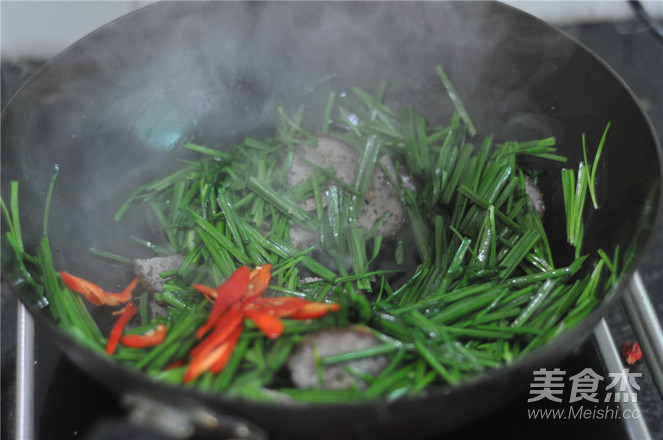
[116,107]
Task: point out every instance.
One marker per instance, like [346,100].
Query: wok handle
[25,371]
[119,428]
[647,328]
[153,419]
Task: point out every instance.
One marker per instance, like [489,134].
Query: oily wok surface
[113,110]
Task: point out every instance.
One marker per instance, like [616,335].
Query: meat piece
[535,196]
[302,363]
[329,153]
[302,238]
[381,196]
[148,271]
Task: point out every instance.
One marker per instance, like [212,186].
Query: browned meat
[381,196]
[302,364]
[148,270]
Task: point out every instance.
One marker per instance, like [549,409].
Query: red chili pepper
[227,293]
[631,352]
[314,310]
[265,312]
[235,286]
[259,278]
[116,333]
[226,351]
[95,294]
[238,298]
[259,281]
[209,292]
[150,338]
[223,328]
[214,358]
[268,323]
[119,311]
[291,307]
[282,306]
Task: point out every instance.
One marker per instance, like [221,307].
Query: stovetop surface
[70,406]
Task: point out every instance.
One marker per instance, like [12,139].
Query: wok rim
[569,339]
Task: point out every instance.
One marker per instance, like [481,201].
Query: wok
[113,110]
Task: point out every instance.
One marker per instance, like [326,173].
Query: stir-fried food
[237,299]
[285,273]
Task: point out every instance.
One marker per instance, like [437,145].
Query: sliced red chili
[223,328]
[631,352]
[95,294]
[268,323]
[227,351]
[235,286]
[150,338]
[282,306]
[314,310]
[238,298]
[227,293]
[120,311]
[259,280]
[123,296]
[116,333]
[214,359]
[199,365]
[209,292]
[90,291]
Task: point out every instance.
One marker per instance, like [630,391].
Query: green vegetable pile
[480,289]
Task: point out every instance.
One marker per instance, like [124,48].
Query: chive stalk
[483,289]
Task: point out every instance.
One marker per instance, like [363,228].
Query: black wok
[112,111]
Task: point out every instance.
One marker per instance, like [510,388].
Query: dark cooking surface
[70,404]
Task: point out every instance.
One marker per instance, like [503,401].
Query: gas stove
[66,403]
